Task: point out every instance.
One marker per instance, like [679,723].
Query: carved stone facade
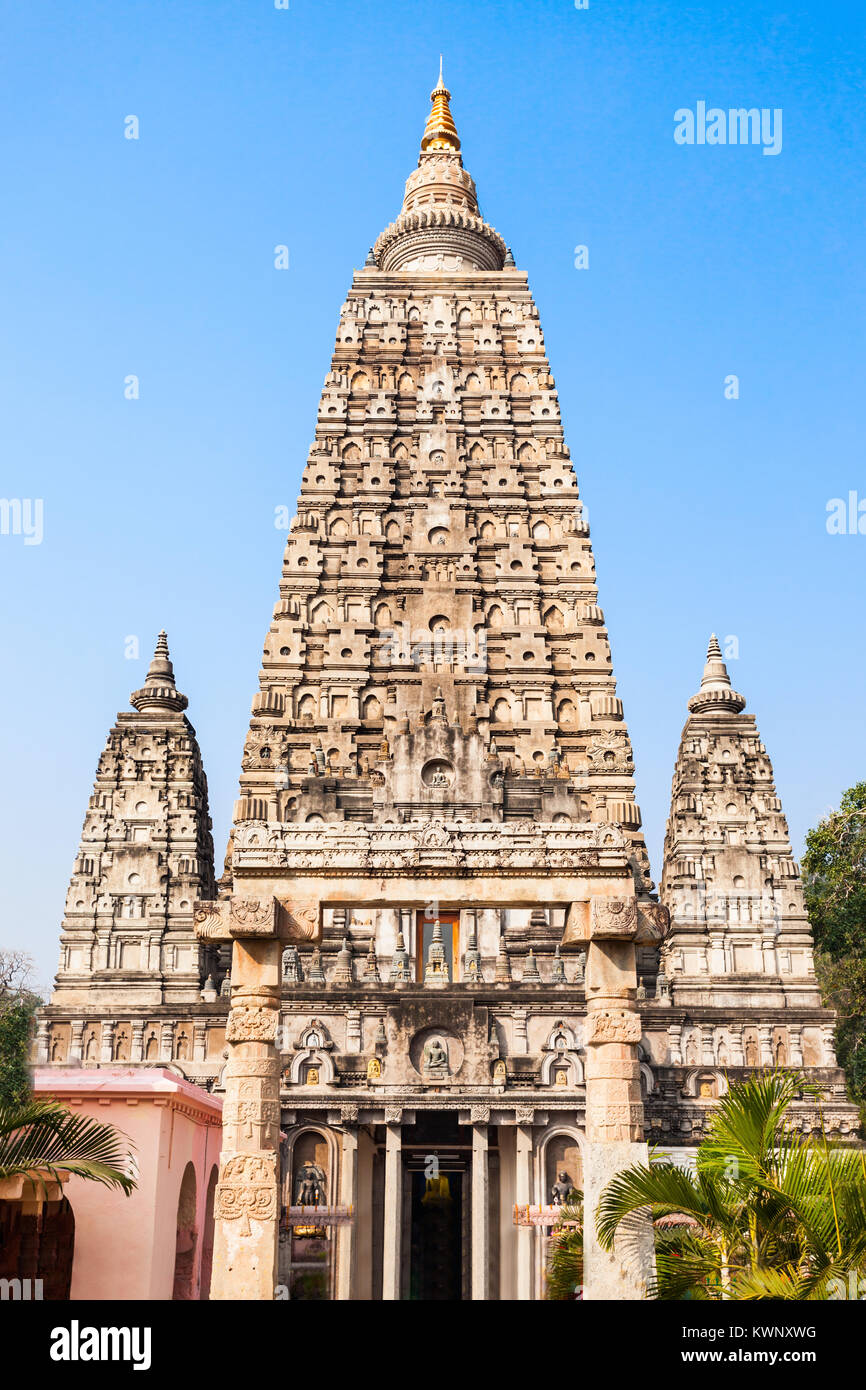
[437,907]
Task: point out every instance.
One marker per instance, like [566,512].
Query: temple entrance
[437,1157]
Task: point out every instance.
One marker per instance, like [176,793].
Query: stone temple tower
[129,983]
[452,999]
[738,961]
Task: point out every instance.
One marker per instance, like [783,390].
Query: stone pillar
[393,1212]
[614,1110]
[828,1035]
[166,1042]
[136,1049]
[76,1036]
[107,1046]
[523,1197]
[765,1037]
[199,1043]
[480,1233]
[795,1036]
[247,1205]
[708,1049]
[246,1211]
[346,1243]
[43,1032]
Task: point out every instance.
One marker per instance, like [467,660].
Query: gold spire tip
[440,132]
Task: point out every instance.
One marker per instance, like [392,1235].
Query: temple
[435,982]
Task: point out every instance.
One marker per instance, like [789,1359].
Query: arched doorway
[186,1239]
[207,1237]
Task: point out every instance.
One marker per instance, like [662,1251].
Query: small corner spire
[159,691]
[716,694]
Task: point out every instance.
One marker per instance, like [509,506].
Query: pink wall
[125,1246]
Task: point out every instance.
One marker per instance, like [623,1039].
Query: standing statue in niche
[561,1189]
[435,1058]
[310,1186]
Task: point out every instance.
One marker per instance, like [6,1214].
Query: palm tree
[565,1252]
[40,1138]
[767,1213]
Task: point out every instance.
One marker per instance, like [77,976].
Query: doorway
[437,1158]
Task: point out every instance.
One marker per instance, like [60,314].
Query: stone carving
[613,1026]
[252,914]
[435,1058]
[613,918]
[653,923]
[561,1189]
[310,1186]
[252,1023]
[301,921]
[247,1188]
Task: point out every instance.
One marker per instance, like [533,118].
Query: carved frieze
[613,1026]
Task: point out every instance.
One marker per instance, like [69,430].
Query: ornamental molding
[470,846]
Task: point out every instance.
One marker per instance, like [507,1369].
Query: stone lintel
[450,891]
[260,917]
[607,917]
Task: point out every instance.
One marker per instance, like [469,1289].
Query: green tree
[18,1005]
[834,879]
[768,1212]
[42,1137]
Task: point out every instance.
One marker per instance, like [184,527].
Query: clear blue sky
[261,126]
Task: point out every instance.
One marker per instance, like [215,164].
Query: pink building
[157,1243]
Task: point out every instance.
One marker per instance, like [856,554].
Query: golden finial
[440,132]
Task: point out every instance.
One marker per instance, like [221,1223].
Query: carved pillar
[708,1050]
[795,1035]
[136,1050]
[43,1031]
[675,1036]
[107,1047]
[480,1233]
[614,1110]
[166,1042]
[828,1034]
[346,1242]
[523,1197]
[717,953]
[393,1211]
[246,1212]
[76,1051]
[199,1043]
[765,1036]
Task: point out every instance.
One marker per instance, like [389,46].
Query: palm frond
[42,1136]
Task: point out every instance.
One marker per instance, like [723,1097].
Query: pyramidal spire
[716,694]
[440,132]
[159,691]
[440,227]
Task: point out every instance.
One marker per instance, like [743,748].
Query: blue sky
[261,127]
